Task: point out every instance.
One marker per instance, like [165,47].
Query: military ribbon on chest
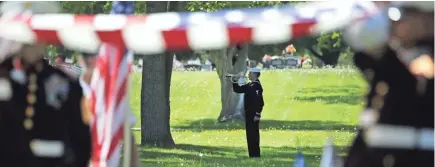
[56,89]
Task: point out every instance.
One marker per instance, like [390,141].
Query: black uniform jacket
[402,103]
[394,96]
[253,95]
[54,133]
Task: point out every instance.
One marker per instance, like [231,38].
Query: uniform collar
[257,81]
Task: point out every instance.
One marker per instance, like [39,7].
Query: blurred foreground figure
[41,120]
[397,125]
[253,106]
[88,64]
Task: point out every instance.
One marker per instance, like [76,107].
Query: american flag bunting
[161,32]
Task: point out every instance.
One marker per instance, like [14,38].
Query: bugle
[235,78]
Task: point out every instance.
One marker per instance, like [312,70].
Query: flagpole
[127,141]
[127,130]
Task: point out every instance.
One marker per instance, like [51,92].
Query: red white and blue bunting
[157,33]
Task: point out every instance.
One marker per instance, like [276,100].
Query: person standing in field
[253,103]
[88,63]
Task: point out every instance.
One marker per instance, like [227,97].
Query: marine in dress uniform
[41,120]
[397,124]
[253,103]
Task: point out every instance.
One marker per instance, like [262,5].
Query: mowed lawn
[302,109]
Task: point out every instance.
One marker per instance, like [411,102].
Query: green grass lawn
[302,108]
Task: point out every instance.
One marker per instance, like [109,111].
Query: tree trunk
[331,58]
[155,104]
[230,111]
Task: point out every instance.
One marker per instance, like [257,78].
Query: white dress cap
[254,70]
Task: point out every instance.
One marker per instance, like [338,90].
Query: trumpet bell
[239,79]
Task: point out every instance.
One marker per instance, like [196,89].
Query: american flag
[110,101]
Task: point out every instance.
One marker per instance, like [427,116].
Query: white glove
[234,79]
[256,118]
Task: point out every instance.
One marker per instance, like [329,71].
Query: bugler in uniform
[397,125]
[253,96]
[40,118]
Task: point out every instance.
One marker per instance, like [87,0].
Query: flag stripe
[175,39]
[113,96]
[258,25]
[238,35]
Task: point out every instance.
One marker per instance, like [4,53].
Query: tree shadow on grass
[336,99]
[348,89]
[352,95]
[211,124]
[196,155]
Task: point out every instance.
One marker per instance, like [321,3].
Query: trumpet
[235,78]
